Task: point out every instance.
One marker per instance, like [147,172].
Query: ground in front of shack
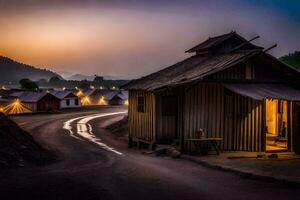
[283,166]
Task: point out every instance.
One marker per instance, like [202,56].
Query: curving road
[94,165]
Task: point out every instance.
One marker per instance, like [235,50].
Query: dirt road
[92,165]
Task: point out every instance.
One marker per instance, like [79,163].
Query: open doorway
[276,125]
[169,113]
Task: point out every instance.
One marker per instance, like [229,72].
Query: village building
[229,89]
[119,97]
[94,97]
[67,99]
[36,101]
[104,97]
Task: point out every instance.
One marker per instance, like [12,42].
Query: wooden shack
[116,97]
[67,99]
[37,101]
[230,89]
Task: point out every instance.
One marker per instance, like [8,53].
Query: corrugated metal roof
[214,41]
[28,96]
[191,69]
[2,100]
[260,91]
[61,94]
[119,93]
[89,92]
[92,92]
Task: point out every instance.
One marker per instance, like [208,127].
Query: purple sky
[134,38]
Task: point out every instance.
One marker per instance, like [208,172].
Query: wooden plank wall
[241,129]
[164,124]
[233,73]
[142,125]
[248,125]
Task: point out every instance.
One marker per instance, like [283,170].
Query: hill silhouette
[292,59]
[11,70]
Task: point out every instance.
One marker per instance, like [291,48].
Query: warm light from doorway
[102,101]
[126,102]
[85,101]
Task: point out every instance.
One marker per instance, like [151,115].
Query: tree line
[57,82]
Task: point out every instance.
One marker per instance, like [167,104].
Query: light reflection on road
[85,130]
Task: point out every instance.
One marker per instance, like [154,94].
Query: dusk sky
[134,38]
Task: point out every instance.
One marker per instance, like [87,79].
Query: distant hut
[94,96]
[67,99]
[37,101]
[230,89]
[116,97]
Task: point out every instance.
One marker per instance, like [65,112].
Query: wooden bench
[200,138]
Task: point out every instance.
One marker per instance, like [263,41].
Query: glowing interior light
[16,107]
[79,93]
[17,102]
[92,87]
[126,102]
[85,101]
[102,101]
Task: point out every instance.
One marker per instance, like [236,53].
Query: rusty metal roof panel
[259,91]
[61,94]
[189,70]
[28,96]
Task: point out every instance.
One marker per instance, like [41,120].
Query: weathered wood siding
[169,125]
[295,126]
[251,71]
[238,120]
[142,124]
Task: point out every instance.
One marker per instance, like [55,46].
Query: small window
[76,102]
[141,104]
[68,102]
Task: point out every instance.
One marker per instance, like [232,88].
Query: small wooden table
[212,141]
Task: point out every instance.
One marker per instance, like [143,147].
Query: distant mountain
[292,59]
[79,77]
[11,70]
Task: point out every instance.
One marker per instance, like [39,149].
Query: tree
[28,84]
[54,79]
[98,79]
[84,84]
[292,59]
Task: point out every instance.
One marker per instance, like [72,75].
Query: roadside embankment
[18,148]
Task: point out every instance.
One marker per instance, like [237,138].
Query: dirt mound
[17,147]
[119,128]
